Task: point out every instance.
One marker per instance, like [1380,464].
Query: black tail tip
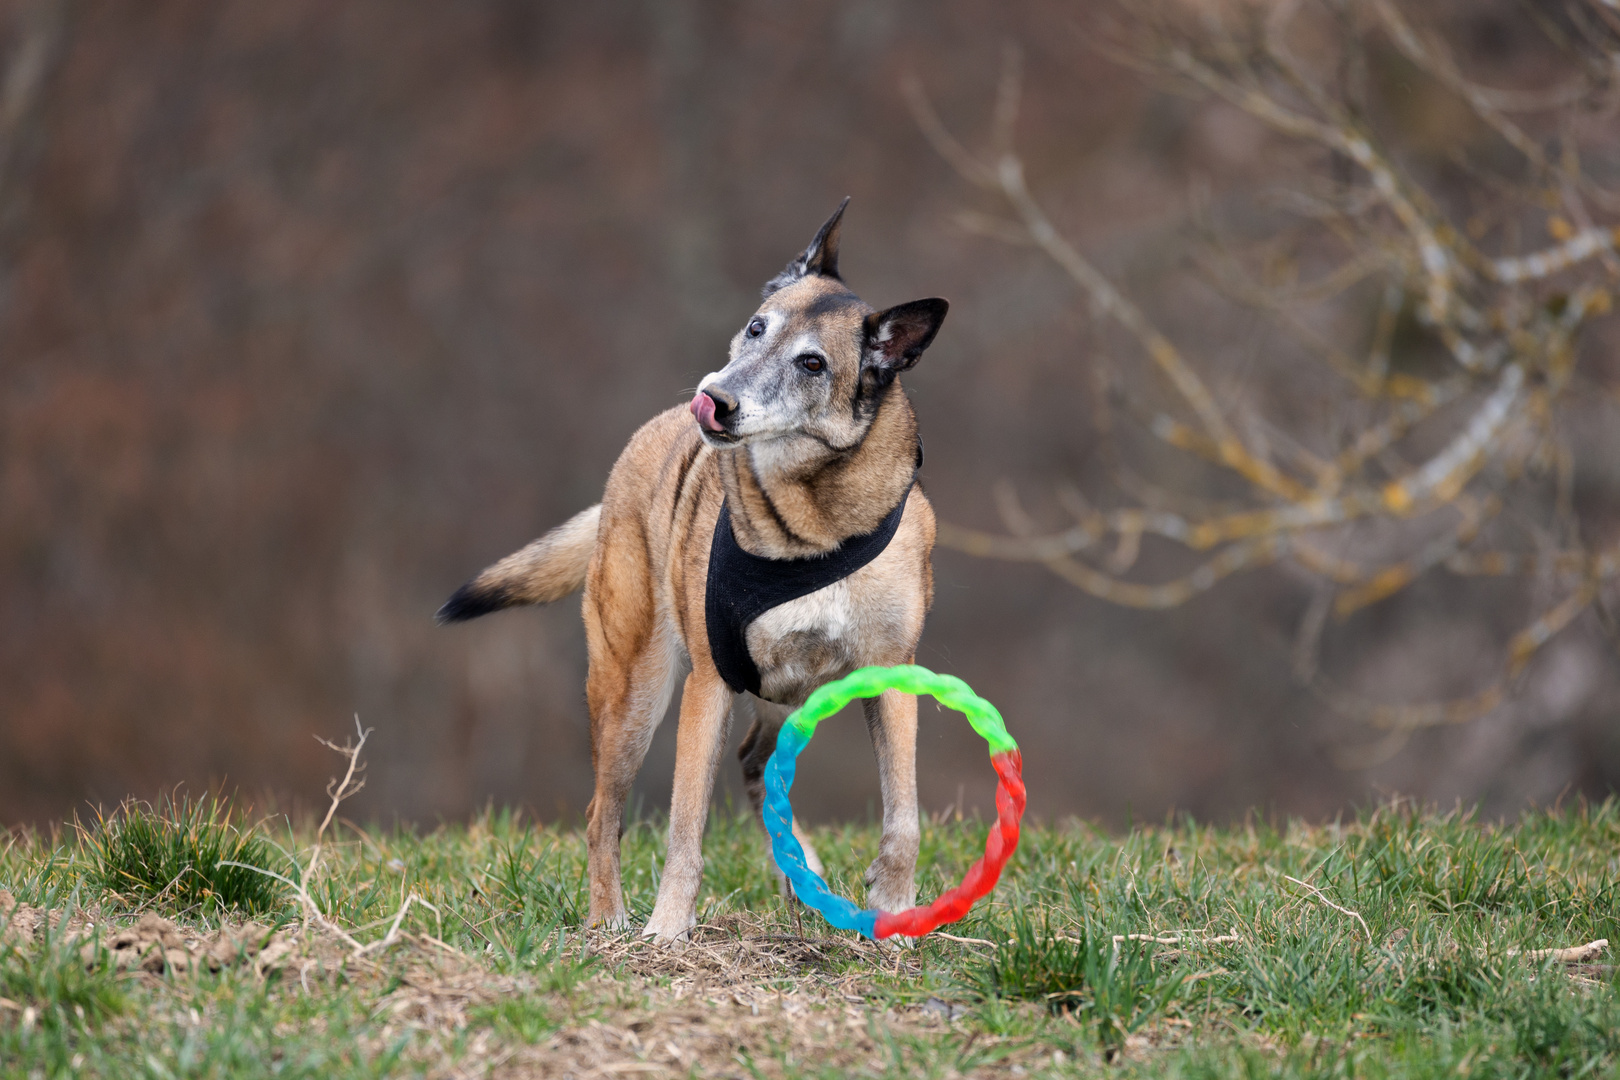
[469,602]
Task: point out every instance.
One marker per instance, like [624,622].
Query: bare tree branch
[1504,327]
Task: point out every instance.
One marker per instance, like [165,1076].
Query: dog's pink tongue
[703,409]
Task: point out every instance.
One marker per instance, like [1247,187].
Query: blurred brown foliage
[1468,359]
[309,310]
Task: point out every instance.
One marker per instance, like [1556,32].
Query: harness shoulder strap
[742,586]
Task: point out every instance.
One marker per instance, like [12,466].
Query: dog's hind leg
[627,697]
[891,880]
[756,749]
[705,723]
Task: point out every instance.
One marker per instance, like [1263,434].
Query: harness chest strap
[743,586]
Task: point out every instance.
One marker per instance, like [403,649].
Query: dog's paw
[609,923]
[672,932]
[890,887]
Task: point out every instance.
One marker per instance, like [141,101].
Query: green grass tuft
[1116,987]
[179,851]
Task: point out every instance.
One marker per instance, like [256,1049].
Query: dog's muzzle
[712,408]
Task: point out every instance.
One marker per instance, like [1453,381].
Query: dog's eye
[756,328]
[812,363]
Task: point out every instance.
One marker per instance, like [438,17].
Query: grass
[51,976]
[1115,986]
[492,974]
[184,851]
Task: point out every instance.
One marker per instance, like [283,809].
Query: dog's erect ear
[821,257]
[894,339]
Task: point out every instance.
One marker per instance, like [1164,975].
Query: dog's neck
[790,498]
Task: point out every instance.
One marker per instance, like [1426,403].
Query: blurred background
[308,311]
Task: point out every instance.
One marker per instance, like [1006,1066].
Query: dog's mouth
[712,427]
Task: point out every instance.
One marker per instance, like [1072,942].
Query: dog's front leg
[891,880]
[705,723]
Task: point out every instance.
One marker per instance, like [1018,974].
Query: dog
[795,461]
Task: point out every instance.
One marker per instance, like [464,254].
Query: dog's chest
[801,644]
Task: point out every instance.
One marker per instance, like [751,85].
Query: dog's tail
[548,569]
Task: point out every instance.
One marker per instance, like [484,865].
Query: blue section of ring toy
[808,885]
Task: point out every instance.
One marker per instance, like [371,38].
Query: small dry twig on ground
[1180,937]
[1176,937]
[1575,954]
[338,790]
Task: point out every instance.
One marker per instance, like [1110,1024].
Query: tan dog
[808,439]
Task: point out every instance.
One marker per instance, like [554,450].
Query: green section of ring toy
[867,682]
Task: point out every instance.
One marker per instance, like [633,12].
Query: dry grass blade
[1319,895]
[1575,954]
[1180,937]
[964,940]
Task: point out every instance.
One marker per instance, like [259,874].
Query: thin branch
[339,790]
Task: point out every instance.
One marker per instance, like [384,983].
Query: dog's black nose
[724,403]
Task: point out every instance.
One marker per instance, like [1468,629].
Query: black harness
[743,586]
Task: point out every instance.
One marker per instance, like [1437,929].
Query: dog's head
[814,362]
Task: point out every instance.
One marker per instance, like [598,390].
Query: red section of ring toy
[982,875]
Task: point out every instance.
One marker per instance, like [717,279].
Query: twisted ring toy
[998,846]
